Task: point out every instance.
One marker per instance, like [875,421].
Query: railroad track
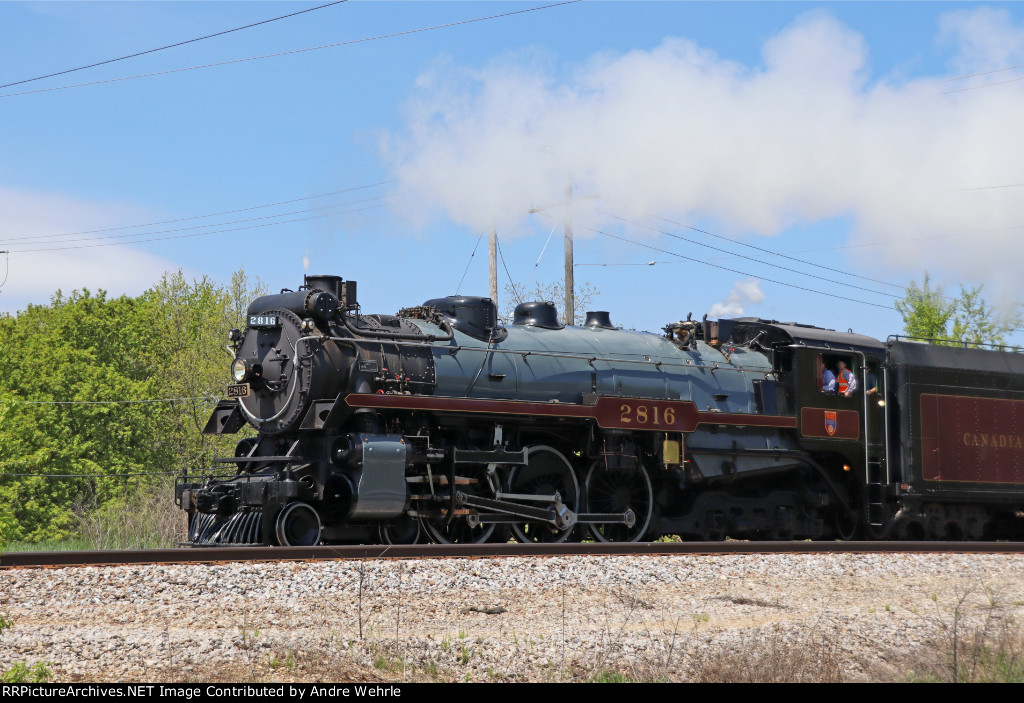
[214,555]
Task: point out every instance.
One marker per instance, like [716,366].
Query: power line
[731,270]
[468,263]
[1011,185]
[212,214]
[652,263]
[811,263]
[772,253]
[741,256]
[199,234]
[749,258]
[541,256]
[973,87]
[195,234]
[784,256]
[206,398]
[90,476]
[296,51]
[331,211]
[512,283]
[171,46]
[642,263]
[983,73]
[984,85]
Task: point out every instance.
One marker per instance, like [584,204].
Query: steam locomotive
[440,423]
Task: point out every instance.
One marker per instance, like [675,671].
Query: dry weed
[145,518]
[774,655]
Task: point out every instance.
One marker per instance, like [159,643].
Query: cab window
[835,375]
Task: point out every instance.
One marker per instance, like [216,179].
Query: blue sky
[826,131]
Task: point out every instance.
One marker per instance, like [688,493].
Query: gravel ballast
[831,616]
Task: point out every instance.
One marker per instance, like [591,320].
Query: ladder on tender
[875,494]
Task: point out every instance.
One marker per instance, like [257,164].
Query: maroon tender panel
[964,438]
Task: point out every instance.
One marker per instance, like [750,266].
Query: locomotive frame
[440,423]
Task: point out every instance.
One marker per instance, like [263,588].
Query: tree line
[102,395]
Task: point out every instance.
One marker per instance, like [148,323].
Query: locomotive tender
[440,423]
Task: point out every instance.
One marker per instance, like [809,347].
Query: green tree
[975,322]
[64,447]
[58,366]
[190,326]
[926,311]
[929,314]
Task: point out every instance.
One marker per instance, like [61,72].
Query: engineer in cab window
[846,382]
[828,379]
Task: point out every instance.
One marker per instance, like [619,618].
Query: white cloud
[29,220]
[743,293]
[681,132]
[985,39]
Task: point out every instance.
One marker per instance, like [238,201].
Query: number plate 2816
[263,321]
[238,390]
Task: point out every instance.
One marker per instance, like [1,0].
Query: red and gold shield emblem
[830,422]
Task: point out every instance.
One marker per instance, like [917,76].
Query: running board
[495,456]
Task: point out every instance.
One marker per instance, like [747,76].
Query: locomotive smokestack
[331,284]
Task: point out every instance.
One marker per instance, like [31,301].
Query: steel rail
[221,555]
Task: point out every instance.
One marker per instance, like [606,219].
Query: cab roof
[775,333]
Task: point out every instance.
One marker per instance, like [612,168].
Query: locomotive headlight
[307,325]
[239,370]
[234,335]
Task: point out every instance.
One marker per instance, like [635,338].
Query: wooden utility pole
[570,298]
[492,250]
